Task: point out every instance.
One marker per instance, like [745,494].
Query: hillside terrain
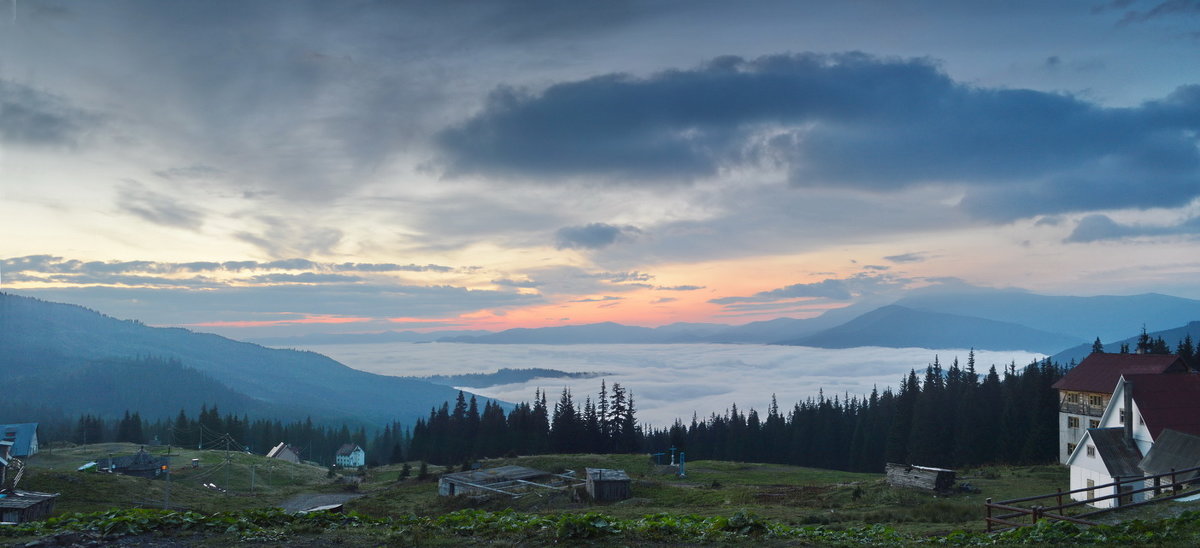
[55,354]
[718,503]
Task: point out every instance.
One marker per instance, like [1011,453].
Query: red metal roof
[1099,372]
[1168,401]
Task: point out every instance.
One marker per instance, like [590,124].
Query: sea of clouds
[670,381]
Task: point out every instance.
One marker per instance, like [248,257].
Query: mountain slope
[301,382]
[1106,316]
[1171,336]
[898,327]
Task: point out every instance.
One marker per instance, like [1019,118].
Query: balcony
[1081,409]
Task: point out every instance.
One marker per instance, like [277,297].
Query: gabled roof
[1099,372]
[1119,454]
[1172,450]
[346,449]
[1168,401]
[21,435]
[279,449]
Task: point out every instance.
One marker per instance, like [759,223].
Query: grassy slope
[789,494]
[55,471]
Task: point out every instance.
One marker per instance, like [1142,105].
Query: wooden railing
[1010,515]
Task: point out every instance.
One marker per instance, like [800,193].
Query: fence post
[1058,490]
[988,505]
[1037,514]
[1174,486]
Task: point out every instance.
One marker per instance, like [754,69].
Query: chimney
[1127,391]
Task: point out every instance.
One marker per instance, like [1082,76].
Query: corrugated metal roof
[1120,455]
[499,473]
[1172,450]
[606,474]
[1168,401]
[21,435]
[24,499]
[1099,372]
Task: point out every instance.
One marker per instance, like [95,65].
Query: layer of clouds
[1098,227]
[829,289]
[54,264]
[669,381]
[843,121]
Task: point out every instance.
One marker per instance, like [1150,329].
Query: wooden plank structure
[513,481]
[920,477]
[24,506]
[1167,486]
[607,485]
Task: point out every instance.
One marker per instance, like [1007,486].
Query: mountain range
[935,318]
[80,361]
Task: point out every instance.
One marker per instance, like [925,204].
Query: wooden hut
[607,485]
[919,477]
[25,506]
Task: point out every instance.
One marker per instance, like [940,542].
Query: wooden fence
[1006,514]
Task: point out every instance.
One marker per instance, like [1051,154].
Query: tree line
[947,416]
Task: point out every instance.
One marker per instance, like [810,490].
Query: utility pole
[167,491]
[252,478]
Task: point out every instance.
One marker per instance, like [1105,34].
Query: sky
[288,167]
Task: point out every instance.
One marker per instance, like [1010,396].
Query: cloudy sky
[267,168]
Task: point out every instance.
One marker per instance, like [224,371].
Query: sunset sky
[287,167]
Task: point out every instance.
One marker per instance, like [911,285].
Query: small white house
[1142,407]
[350,456]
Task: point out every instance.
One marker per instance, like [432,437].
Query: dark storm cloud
[33,117]
[1097,227]
[158,208]
[843,121]
[591,236]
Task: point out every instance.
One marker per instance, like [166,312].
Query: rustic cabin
[24,506]
[513,481]
[919,477]
[285,453]
[607,485]
[140,464]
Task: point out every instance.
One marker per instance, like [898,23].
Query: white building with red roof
[1085,391]
[1142,407]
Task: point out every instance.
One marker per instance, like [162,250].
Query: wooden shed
[25,506]
[920,477]
[606,485]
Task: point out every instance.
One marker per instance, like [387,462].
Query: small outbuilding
[920,477]
[140,464]
[23,437]
[607,485]
[284,452]
[24,506]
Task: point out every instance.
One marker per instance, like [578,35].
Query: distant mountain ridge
[1171,336]
[288,383]
[897,326]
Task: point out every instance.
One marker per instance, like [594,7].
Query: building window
[1090,491]
[1073,397]
[1140,421]
[1093,423]
[1091,451]
[1095,399]
[1072,422]
[1071,448]
[1122,416]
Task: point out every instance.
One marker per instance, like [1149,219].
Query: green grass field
[786,494]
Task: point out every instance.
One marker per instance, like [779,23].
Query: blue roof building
[23,437]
